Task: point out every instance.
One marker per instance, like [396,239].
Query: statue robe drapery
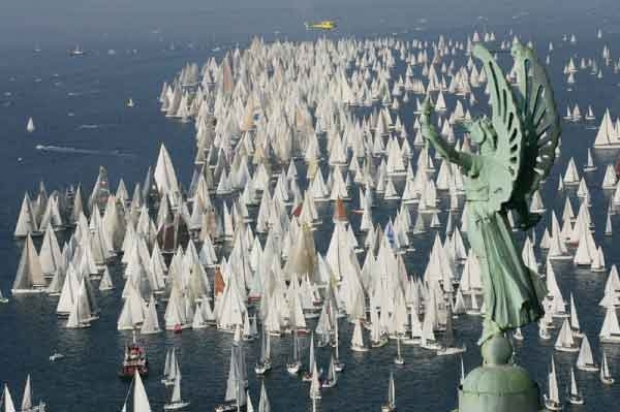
[512,292]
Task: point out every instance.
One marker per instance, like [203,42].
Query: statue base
[498,386]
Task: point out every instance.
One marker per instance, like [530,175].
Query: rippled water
[80,104]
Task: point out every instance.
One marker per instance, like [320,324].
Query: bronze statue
[517,147]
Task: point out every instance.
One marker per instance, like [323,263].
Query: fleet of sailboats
[235,250]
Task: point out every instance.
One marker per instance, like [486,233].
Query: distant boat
[552,397]
[7,400]
[56,356]
[606,377]
[399,360]
[575,397]
[307,377]
[590,166]
[77,51]
[585,360]
[332,376]
[27,405]
[176,403]
[134,361]
[264,364]
[171,368]
[390,405]
[130,103]
[30,126]
[565,341]
[293,367]
[235,398]
[357,340]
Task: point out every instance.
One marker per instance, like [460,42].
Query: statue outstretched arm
[464,160]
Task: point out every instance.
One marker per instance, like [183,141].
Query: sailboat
[30,126]
[315,384]
[338,364]
[176,403]
[235,399]
[585,360]
[357,340]
[606,377]
[3,299]
[332,376]
[590,166]
[77,51]
[7,400]
[377,337]
[610,331]
[171,368]
[130,103]
[399,360]
[294,366]
[264,364]
[390,405]
[574,319]
[552,398]
[575,397]
[307,377]
[27,405]
[263,403]
[29,277]
[565,341]
[140,399]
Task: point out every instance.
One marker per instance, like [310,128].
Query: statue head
[483,134]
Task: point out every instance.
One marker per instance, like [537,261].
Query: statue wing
[507,124]
[541,121]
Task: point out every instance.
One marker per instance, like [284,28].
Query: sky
[64,22]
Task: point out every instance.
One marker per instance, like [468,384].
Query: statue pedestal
[498,386]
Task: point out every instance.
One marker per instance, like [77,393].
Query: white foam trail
[94,126]
[74,150]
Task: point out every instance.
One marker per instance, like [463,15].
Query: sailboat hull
[552,405]
[293,368]
[357,348]
[576,399]
[567,348]
[587,368]
[175,406]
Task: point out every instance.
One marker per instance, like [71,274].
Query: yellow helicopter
[321,25]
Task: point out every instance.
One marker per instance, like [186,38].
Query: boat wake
[74,150]
[94,126]
[78,94]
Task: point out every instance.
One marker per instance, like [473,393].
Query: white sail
[151,323]
[263,403]
[565,340]
[605,374]
[357,340]
[29,277]
[610,331]
[140,399]
[30,126]
[27,398]
[554,392]
[9,406]
[585,361]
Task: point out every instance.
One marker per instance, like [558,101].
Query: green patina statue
[516,150]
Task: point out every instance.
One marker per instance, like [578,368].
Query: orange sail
[340,213]
[219,282]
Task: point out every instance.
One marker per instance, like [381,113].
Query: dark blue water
[66,94]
